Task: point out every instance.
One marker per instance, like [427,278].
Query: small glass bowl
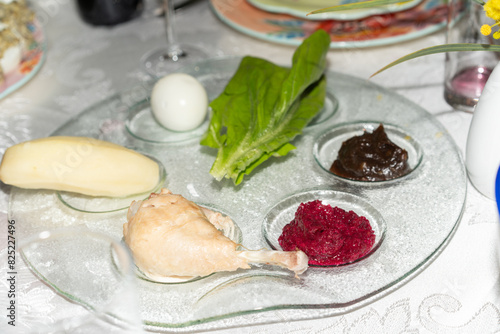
[142,125]
[283,213]
[233,233]
[91,204]
[327,145]
[213,75]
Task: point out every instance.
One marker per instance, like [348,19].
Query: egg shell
[179,102]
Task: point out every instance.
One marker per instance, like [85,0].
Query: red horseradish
[328,235]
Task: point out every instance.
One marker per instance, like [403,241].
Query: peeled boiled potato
[179,102]
[79,164]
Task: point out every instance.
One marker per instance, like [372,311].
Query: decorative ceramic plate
[420,211]
[31,63]
[423,19]
[300,8]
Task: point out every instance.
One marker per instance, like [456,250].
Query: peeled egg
[179,102]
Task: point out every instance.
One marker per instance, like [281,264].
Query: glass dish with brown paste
[371,156]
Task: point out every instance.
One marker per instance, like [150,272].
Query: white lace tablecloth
[458,293]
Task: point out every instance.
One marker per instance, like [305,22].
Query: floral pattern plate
[425,18]
[301,8]
[30,64]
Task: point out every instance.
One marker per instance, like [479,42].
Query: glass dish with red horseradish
[330,236]
[333,228]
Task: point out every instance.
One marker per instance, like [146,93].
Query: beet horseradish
[328,235]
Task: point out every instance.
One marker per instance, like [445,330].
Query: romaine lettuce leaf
[264,106]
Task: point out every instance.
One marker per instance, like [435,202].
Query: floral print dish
[301,8]
[427,17]
[22,46]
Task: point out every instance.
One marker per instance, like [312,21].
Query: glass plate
[421,211]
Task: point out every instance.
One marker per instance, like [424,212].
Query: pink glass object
[466,72]
[465,88]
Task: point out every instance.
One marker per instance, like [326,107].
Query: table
[458,293]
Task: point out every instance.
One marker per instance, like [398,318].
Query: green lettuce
[264,106]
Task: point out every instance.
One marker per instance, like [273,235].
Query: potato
[79,164]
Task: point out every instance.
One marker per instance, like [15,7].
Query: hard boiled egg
[179,102]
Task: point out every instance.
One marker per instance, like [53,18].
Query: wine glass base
[161,62]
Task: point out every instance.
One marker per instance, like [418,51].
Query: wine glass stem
[174,50]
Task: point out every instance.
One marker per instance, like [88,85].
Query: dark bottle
[109,12]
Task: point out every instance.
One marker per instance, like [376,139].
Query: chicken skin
[172,237]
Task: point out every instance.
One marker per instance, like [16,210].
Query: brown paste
[371,157]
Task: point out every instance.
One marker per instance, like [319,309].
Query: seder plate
[420,211]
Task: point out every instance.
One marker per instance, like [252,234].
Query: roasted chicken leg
[170,236]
